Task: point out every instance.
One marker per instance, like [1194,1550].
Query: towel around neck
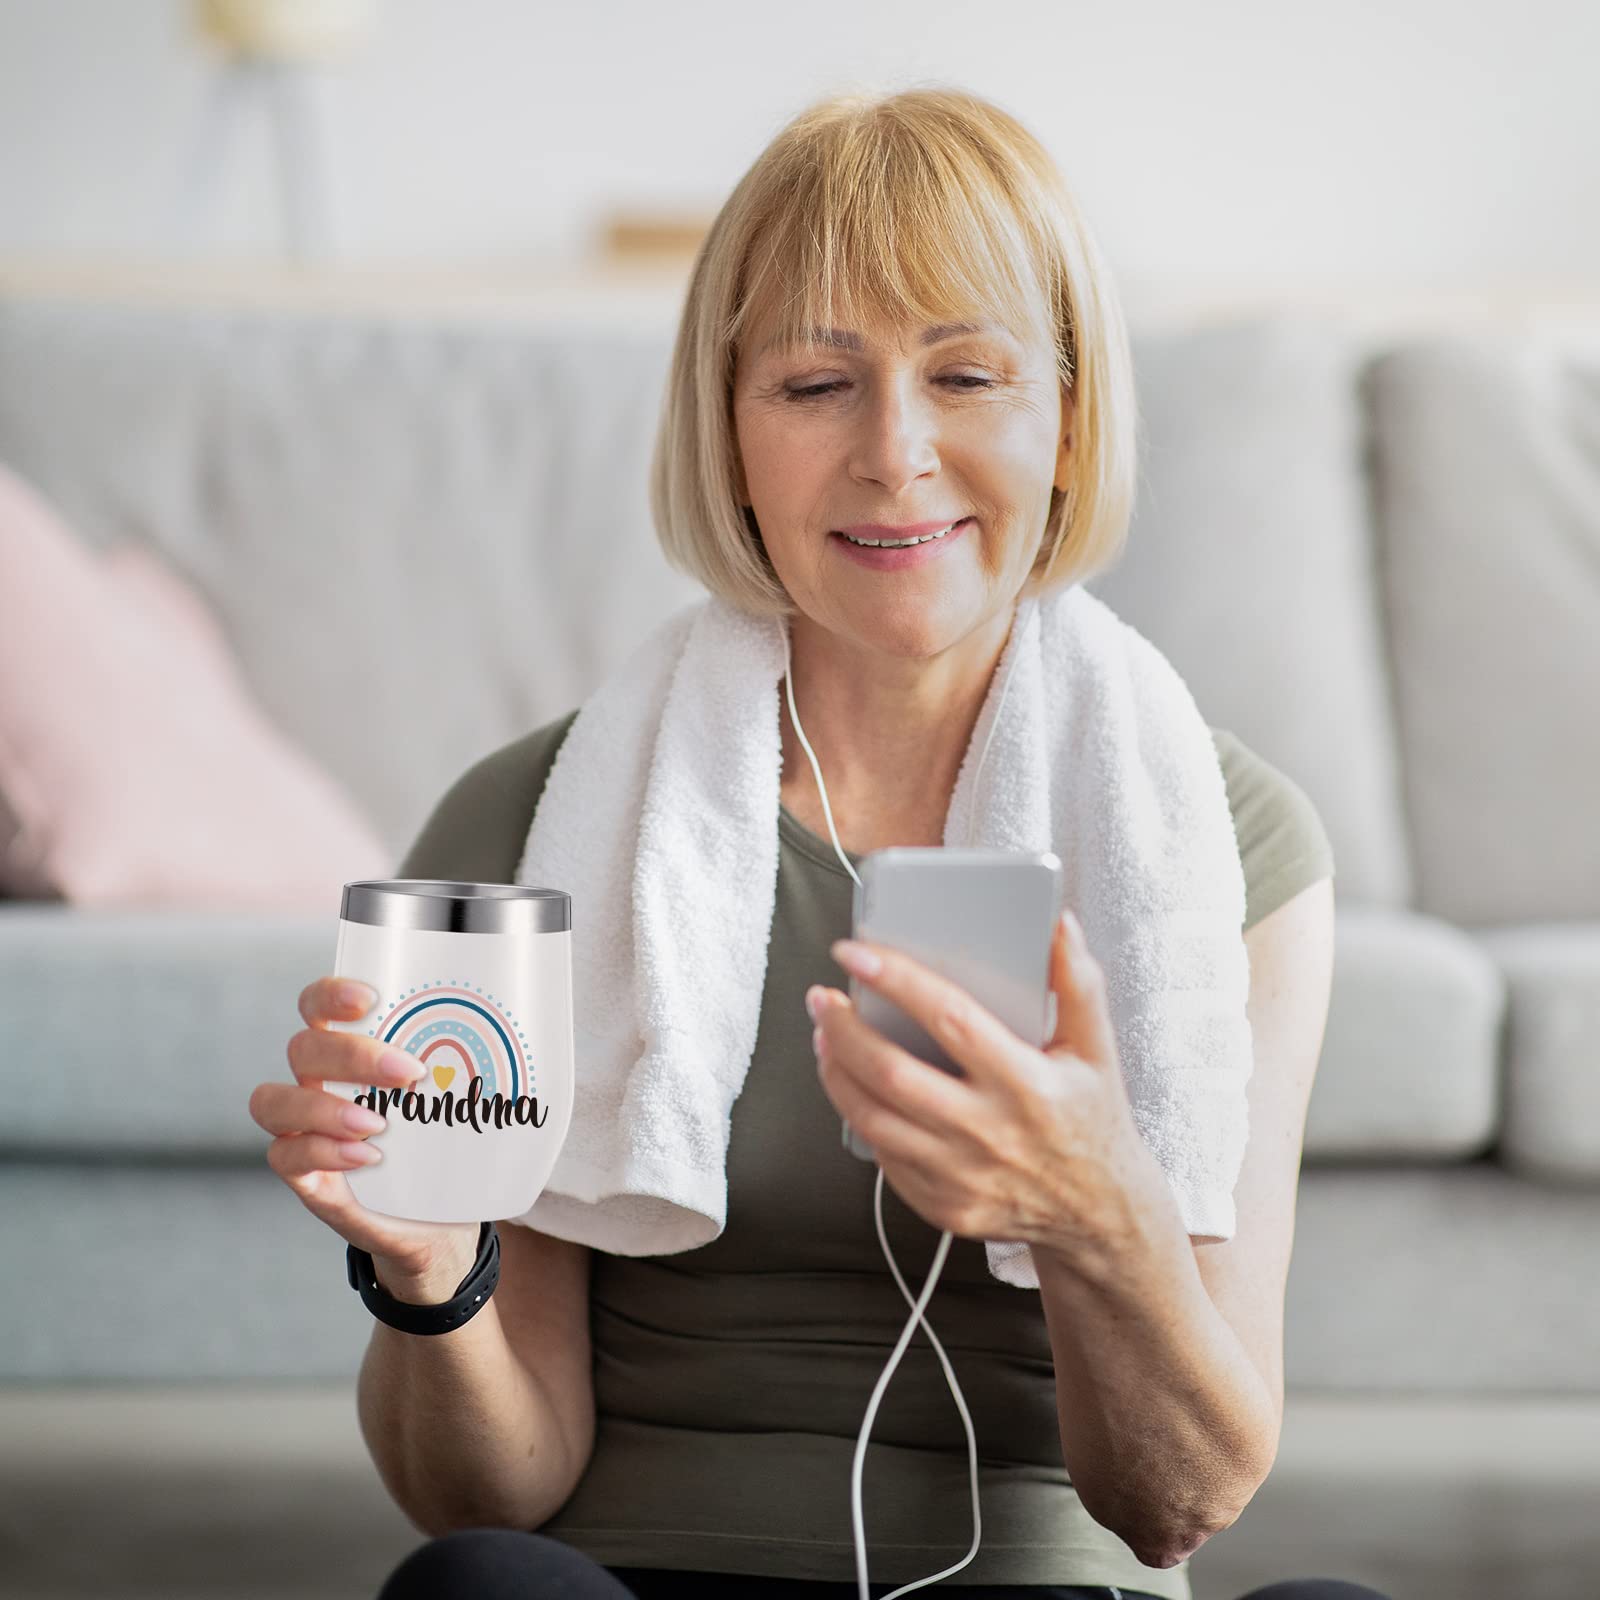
[660,818]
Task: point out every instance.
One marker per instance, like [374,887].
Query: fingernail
[359,1120]
[399,1067]
[857,958]
[358,994]
[813,994]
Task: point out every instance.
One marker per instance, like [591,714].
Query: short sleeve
[1283,846]
[477,831]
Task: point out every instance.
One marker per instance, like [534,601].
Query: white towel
[660,818]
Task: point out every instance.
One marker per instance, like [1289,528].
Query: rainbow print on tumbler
[456,1033]
[474,981]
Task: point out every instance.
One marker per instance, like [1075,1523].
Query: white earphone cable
[918,1305]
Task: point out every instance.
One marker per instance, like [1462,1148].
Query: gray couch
[1377,562]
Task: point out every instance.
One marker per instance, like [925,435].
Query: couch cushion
[1250,565]
[1552,1094]
[135,765]
[421,539]
[1410,1065]
[1486,468]
[163,1022]
[141,1032]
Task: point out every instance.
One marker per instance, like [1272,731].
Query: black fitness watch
[471,1295]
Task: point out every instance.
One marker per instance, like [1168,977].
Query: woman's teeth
[895,544]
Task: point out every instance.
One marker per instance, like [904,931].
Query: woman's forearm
[1167,1428]
[459,1431]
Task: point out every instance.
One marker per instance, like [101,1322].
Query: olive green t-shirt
[731,1380]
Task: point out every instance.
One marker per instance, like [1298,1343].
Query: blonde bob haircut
[926,205]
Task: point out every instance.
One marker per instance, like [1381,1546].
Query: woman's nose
[897,439]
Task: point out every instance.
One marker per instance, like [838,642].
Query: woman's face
[900,426]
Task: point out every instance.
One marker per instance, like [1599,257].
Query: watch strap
[470,1297]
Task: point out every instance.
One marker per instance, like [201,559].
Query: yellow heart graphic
[443,1075]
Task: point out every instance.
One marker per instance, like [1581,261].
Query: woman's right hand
[317,1143]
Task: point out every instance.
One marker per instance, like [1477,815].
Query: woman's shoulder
[1283,845]
[477,829]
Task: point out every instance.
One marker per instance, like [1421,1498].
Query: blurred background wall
[1426,144]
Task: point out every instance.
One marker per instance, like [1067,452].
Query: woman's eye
[959,379]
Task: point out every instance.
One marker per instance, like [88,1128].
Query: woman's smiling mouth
[895,557]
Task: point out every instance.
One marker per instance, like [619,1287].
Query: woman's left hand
[1037,1145]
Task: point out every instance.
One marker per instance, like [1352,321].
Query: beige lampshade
[286,30]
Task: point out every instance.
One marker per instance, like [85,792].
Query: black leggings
[509,1564]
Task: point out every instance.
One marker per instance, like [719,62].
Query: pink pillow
[135,768]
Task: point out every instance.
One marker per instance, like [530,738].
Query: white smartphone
[982,918]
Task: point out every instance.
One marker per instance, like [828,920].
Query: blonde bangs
[867,234]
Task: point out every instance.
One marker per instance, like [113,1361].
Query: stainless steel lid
[445,905]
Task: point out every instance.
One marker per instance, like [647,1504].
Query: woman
[897,319]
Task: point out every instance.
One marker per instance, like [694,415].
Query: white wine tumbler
[475,981]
